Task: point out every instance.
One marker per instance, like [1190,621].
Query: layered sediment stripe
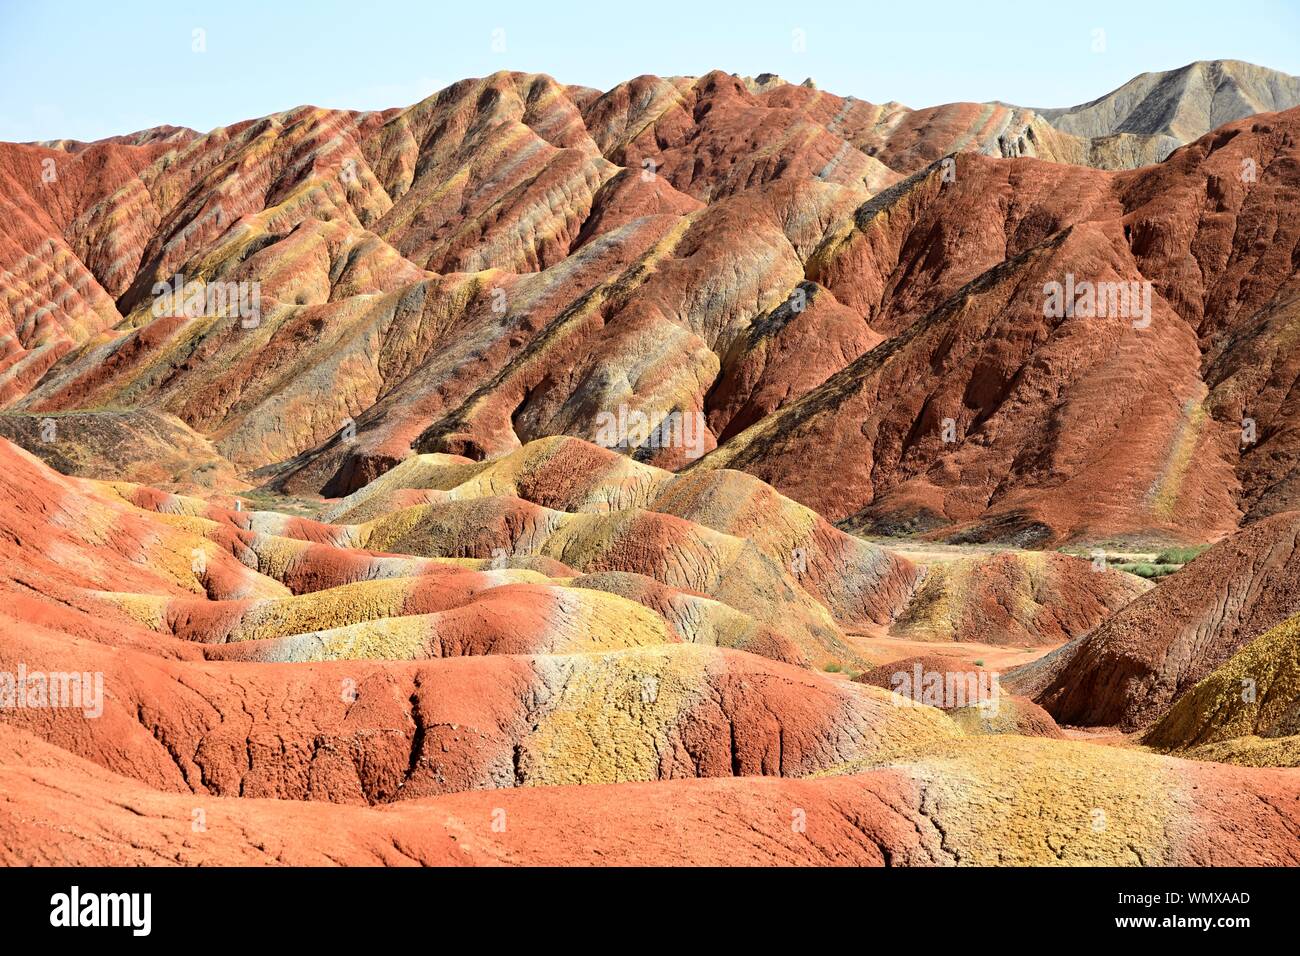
[377,731]
[1017,801]
[859,583]
[512,619]
[1245,711]
[876,818]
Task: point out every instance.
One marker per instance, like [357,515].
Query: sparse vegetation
[1149,564]
[259,499]
[1145,569]
[1180,556]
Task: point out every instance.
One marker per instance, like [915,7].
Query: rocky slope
[511,259]
[1131,668]
[933,812]
[1247,710]
[259,666]
[1181,105]
[514,478]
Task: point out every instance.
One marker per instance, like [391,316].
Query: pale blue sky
[90,69]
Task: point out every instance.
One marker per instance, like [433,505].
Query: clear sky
[90,68]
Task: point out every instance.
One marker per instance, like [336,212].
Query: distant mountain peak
[1183,103]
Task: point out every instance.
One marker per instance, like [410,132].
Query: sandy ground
[879,648]
[929,552]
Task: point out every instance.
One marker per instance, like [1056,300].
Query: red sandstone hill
[1057,428]
[972,695]
[510,258]
[1132,667]
[839,316]
[948,811]
[257,665]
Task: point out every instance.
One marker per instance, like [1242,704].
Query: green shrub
[1145,570]
[1180,555]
